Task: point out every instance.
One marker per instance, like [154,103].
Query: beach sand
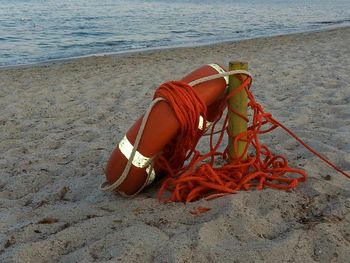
[60,121]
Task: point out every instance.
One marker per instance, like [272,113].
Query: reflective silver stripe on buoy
[139,160]
[151,175]
[201,123]
[219,70]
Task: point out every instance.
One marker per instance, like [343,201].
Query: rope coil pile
[192,175]
[262,169]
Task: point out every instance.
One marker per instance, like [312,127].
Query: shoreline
[166,48]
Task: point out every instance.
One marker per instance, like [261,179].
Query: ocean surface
[34,31]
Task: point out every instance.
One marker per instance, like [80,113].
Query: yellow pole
[239,102]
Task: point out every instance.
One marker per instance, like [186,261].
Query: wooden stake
[239,103]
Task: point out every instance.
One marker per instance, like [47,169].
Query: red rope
[187,106]
[200,178]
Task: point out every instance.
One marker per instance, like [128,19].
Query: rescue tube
[161,127]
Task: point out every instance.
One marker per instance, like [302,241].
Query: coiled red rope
[200,177]
[188,107]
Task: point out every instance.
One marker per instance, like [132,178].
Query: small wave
[335,22]
[96,44]
[183,31]
[11,39]
[192,33]
[207,34]
[89,18]
[84,33]
[113,43]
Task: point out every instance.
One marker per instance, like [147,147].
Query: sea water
[34,31]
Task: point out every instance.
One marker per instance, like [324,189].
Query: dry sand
[60,121]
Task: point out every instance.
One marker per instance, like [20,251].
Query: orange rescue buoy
[161,127]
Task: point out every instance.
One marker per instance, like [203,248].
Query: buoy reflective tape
[219,70]
[151,175]
[139,160]
[201,123]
